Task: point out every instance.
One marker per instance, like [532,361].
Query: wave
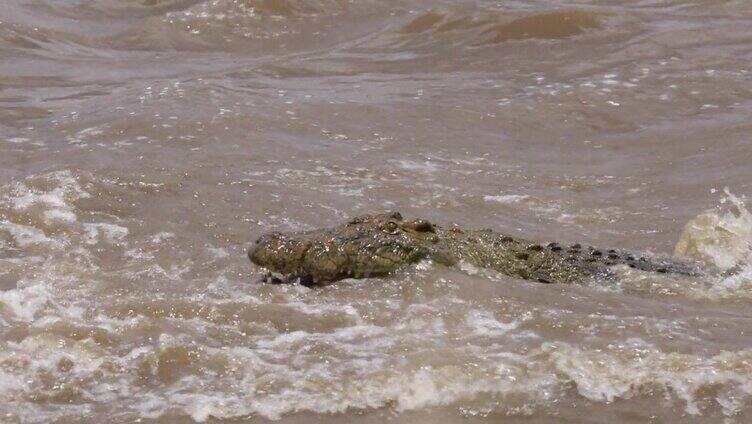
[265,25]
[100,315]
[279,375]
[248,25]
[193,25]
[494,27]
[455,29]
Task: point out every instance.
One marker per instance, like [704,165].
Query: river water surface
[144,145]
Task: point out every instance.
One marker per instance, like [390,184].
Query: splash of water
[721,238]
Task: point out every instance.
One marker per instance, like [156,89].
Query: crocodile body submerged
[377,245]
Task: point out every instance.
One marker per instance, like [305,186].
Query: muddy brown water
[144,144]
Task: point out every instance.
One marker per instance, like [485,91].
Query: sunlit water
[144,144]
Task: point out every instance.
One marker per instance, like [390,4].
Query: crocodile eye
[391,227]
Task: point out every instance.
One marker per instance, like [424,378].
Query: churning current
[145,144]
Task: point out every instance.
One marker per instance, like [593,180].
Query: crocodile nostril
[424,226]
[421,226]
[395,215]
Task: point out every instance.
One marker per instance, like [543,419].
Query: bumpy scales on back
[376,245]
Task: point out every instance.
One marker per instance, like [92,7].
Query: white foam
[636,366]
[26,236]
[65,189]
[49,197]
[470,268]
[425,167]
[98,231]
[738,285]
[162,236]
[483,323]
[63,215]
[23,304]
[218,252]
[506,198]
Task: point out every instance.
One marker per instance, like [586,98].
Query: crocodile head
[367,246]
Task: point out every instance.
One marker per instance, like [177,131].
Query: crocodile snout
[279,253]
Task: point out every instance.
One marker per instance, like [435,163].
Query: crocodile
[378,245]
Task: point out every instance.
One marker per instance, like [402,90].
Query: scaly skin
[377,245]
